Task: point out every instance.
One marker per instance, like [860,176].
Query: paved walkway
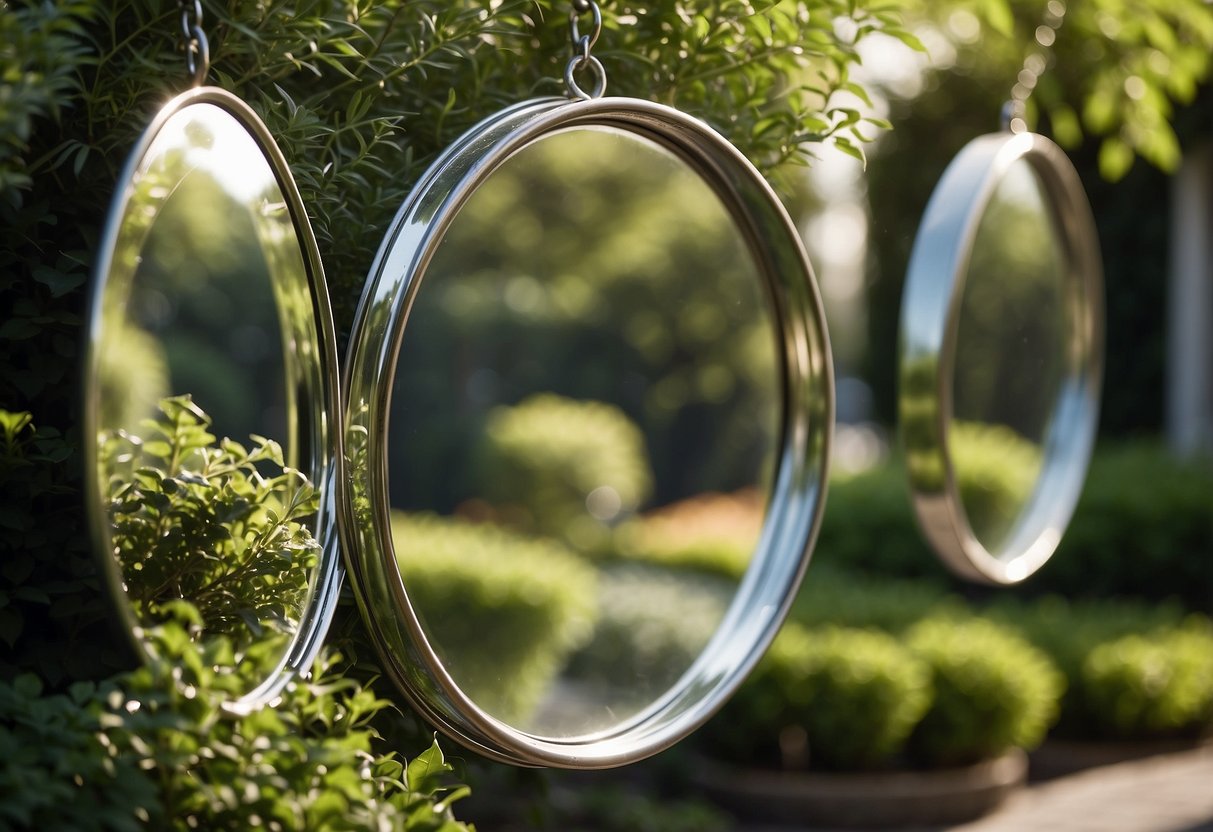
[1168,793]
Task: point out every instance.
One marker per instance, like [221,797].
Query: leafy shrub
[496,606]
[1143,528]
[546,461]
[1153,686]
[1150,541]
[156,749]
[993,691]
[652,625]
[209,522]
[1123,661]
[831,596]
[833,698]
[996,471]
[712,533]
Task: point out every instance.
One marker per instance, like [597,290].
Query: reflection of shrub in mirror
[996,472]
[504,611]
[207,522]
[563,468]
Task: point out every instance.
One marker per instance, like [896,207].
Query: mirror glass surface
[202,314]
[583,430]
[1010,356]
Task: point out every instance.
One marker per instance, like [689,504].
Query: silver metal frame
[930,314]
[313,379]
[798,493]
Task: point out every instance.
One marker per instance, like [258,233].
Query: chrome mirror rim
[930,318]
[315,388]
[797,499]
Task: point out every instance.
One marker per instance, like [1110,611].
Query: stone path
[1168,793]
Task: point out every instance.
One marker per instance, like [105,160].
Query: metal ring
[930,319]
[797,494]
[570,82]
[575,32]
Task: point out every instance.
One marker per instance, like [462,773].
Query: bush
[1131,667]
[832,596]
[1156,686]
[495,606]
[563,468]
[1143,528]
[996,472]
[832,698]
[1126,538]
[993,691]
[156,749]
[711,533]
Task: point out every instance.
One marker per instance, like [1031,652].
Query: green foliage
[1142,528]
[834,698]
[1153,686]
[212,523]
[996,472]
[496,606]
[832,596]
[1152,542]
[542,460]
[1121,66]
[1134,670]
[157,749]
[993,691]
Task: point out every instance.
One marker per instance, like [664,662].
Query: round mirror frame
[930,319]
[797,496]
[313,374]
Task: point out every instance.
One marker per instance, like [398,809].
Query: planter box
[879,800]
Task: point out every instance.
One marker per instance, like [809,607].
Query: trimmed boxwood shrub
[496,605]
[1135,671]
[831,698]
[993,691]
[831,596]
[1158,686]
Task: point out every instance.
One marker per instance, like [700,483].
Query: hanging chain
[1014,112]
[197,49]
[582,44]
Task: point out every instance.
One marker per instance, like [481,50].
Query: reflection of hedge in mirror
[503,611]
[208,522]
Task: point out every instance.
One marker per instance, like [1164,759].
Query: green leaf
[1115,159]
[425,772]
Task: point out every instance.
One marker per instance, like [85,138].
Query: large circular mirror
[1001,346]
[210,378]
[585,476]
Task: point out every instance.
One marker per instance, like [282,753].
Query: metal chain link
[197,48]
[1014,112]
[582,44]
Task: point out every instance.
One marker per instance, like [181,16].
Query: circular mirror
[210,374]
[1001,352]
[586,475]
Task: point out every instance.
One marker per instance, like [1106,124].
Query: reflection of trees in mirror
[623,281]
[1010,346]
[200,521]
